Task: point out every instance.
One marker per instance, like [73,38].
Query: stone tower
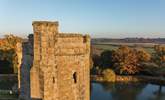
[61,64]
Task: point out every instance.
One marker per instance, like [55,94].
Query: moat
[118,91]
[132,91]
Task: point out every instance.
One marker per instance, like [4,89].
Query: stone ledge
[45,23]
[69,35]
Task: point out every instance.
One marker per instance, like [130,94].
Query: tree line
[128,61]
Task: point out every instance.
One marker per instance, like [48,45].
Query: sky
[99,18]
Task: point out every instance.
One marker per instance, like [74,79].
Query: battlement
[72,38]
[45,26]
[70,35]
[46,23]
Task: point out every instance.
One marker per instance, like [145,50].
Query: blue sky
[99,18]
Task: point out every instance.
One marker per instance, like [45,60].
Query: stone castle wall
[61,64]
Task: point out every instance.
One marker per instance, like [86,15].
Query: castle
[60,69]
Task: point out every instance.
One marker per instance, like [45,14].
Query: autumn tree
[8,47]
[125,60]
[159,59]
[159,55]
[109,75]
[12,40]
[128,60]
[143,55]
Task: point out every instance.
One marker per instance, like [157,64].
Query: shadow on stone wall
[27,61]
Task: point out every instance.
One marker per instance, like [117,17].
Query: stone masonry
[60,68]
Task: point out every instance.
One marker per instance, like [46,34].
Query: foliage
[106,59]
[159,55]
[96,70]
[8,47]
[149,68]
[109,75]
[96,60]
[128,60]
[125,61]
[143,56]
[12,40]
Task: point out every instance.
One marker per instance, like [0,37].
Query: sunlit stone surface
[60,69]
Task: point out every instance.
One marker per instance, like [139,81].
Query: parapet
[69,35]
[46,23]
[45,26]
[73,37]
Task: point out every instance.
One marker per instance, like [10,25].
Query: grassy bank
[130,79]
[110,46]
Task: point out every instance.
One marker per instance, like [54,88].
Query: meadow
[149,47]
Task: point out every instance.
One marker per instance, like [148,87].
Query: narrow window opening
[53,80]
[75,77]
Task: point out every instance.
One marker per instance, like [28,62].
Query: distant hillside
[129,40]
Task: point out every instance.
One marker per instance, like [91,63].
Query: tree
[8,50]
[159,55]
[106,59]
[125,61]
[96,60]
[159,58]
[12,40]
[143,56]
[129,60]
[109,75]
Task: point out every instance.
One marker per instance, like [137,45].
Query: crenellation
[45,27]
[70,40]
[70,35]
[47,23]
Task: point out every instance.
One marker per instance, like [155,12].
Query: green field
[150,49]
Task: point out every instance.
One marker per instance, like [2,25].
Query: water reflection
[131,91]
